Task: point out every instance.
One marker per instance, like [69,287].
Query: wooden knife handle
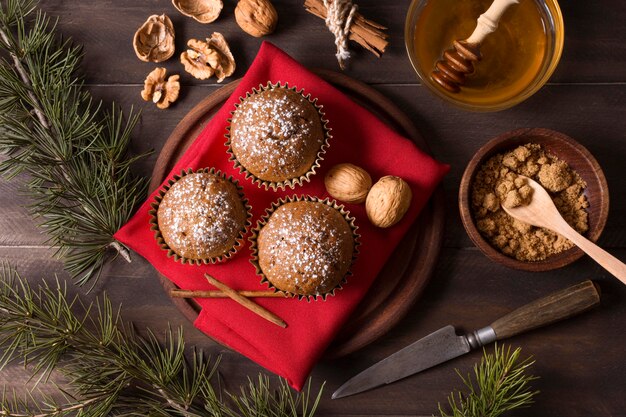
[557,306]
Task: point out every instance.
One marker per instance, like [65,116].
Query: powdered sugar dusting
[201,216]
[276,134]
[305,248]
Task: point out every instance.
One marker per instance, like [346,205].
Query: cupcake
[200,217]
[277,136]
[305,247]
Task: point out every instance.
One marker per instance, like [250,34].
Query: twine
[339,17]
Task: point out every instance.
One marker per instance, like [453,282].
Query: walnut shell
[204,11]
[154,40]
[203,59]
[348,183]
[159,91]
[388,201]
[256,17]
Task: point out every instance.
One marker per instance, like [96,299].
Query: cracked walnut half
[154,40]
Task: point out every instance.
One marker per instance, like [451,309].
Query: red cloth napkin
[359,138]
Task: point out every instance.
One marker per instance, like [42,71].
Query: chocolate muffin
[305,248]
[202,216]
[276,134]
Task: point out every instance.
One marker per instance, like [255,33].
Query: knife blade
[444,344]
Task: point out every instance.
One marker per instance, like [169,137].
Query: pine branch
[133,375]
[500,384]
[55,410]
[24,76]
[257,400]
[74,152]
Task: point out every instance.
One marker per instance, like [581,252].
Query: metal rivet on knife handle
[481,337]
[557,306]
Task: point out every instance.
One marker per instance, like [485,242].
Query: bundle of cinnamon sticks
[366,33]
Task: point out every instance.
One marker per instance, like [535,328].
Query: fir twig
[74,152]
[25,79]
[257,400]
[500,384]
[111,370]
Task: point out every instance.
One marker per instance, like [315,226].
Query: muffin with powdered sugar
[200,217]
[305,247]
[277,136]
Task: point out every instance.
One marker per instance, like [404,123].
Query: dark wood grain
[580,361]
[566,353]
[16,226]
[594,33]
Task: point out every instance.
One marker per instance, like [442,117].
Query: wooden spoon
[542,212]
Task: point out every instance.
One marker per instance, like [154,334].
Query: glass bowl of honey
[517,59]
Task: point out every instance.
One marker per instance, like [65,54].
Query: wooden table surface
[581,361]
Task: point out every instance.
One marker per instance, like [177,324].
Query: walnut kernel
[160,91]
[203,59]
[154,40]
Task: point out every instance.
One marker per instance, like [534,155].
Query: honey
[512,57]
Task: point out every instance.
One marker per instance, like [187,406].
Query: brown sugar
[498,182]
[512,191]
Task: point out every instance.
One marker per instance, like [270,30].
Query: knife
[444,344]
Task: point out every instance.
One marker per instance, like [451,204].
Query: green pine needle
[500,384]
[111,370]
[74,152]
[257,399]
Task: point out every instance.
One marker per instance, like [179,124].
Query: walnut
[204,11]
[348,183]
[159,91]
[203,59]
[154,41]
[388,201]
[256,17]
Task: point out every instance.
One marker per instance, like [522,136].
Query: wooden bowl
[565,148]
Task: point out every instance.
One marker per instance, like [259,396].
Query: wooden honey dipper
[459,61]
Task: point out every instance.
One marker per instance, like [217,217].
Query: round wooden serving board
[404,276]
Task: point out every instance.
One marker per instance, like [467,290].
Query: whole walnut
[256,17]
[388,201]
[348,183]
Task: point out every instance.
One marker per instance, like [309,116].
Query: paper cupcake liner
[154,224]
[263,221]
[292,182]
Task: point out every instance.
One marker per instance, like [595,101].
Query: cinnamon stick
[176,293]
[365,32]
[246,302]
